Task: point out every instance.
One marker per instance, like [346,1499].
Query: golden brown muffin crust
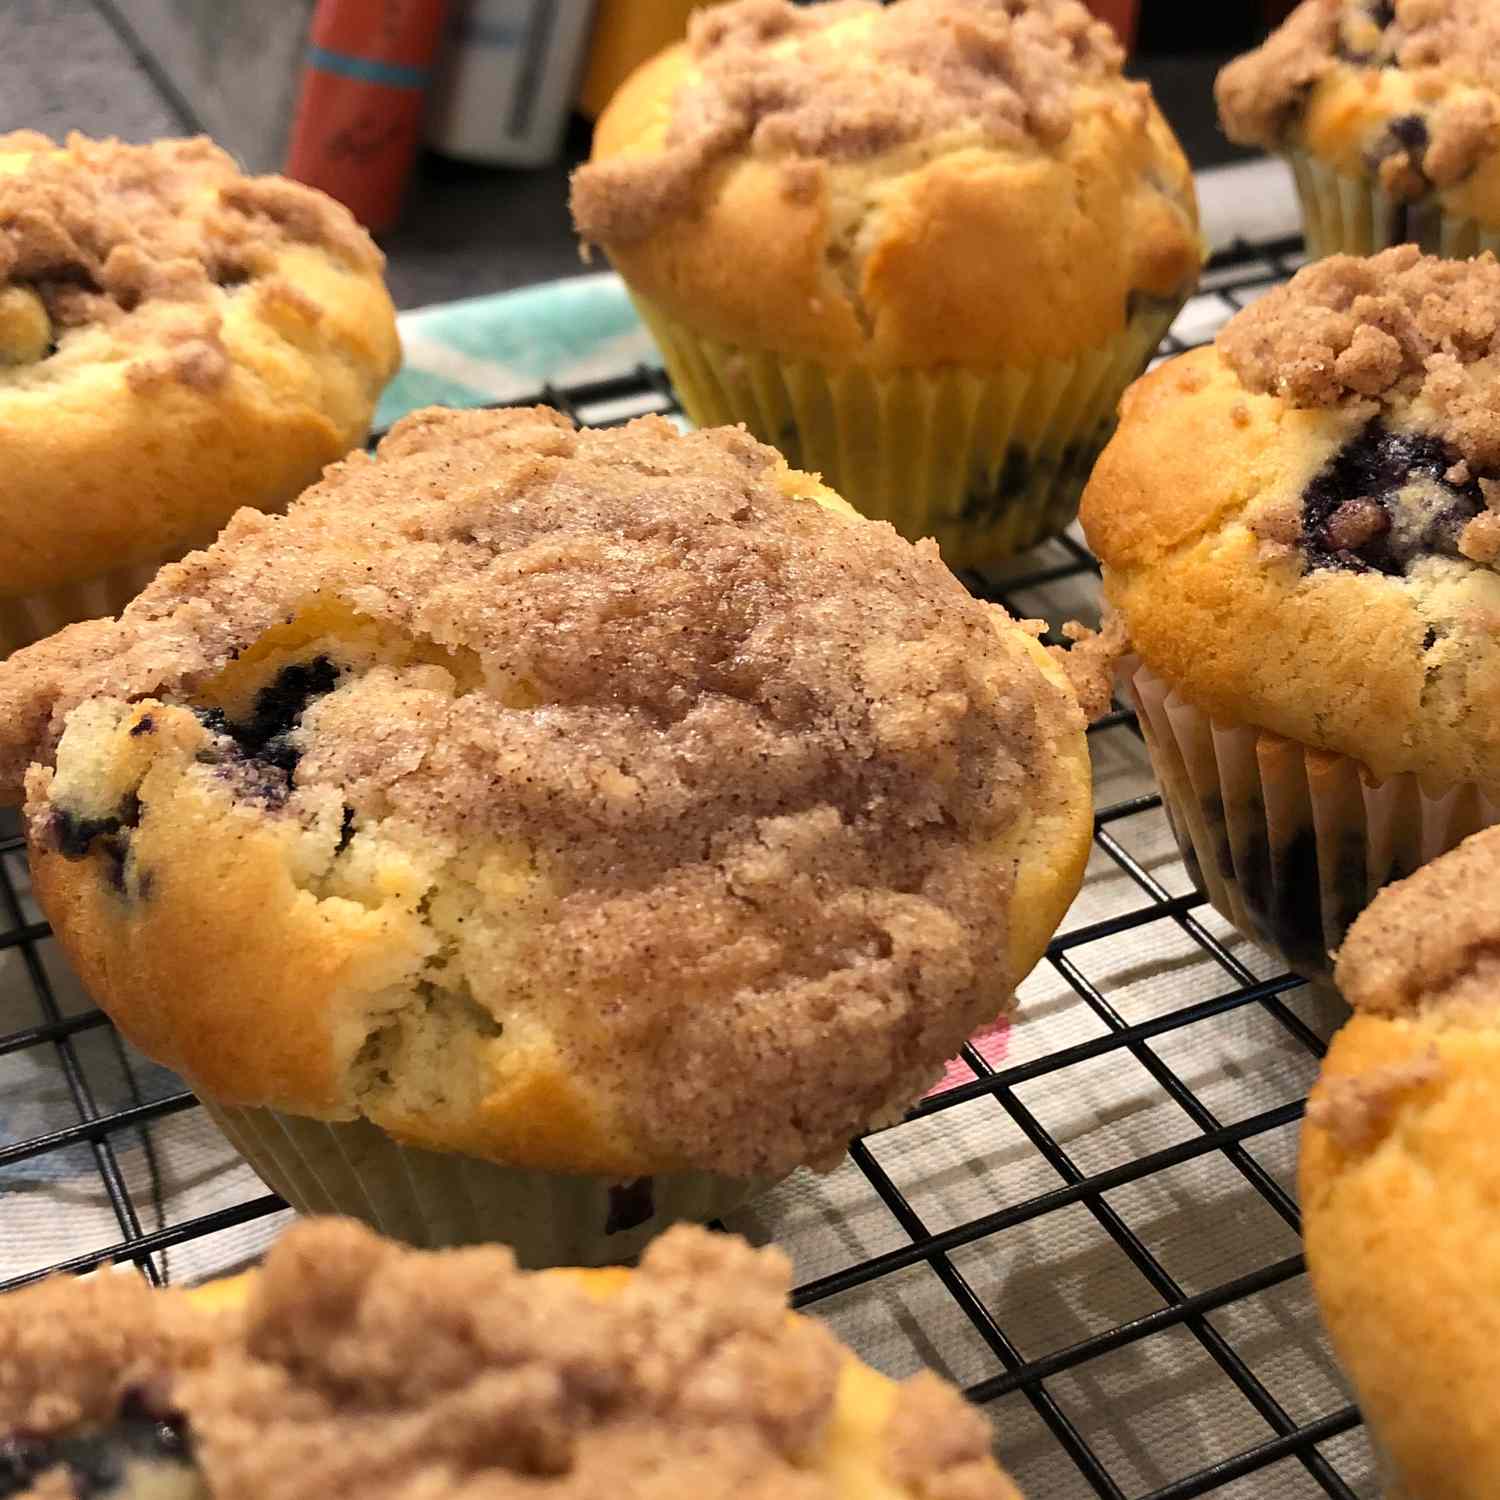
[1299,525]
[357,1367]
[937,198]
[176,341]
[752,765]
[931,66]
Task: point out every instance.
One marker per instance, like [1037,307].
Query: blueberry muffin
[176,340]
[541,835]
[1399,1182]
[349,1366]
[921,248]
[1389,113]
[1299,532]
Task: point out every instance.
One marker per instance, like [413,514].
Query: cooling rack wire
[1090,1225]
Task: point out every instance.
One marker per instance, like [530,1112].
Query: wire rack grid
[1125,1349]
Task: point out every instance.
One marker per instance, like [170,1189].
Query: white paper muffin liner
[25,618]
[1356,216]
[433,1199]
[1290,843]
[987,463]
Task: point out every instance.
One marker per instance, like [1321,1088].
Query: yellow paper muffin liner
[25,618]
[1344,215]
[434,1199]
[1290,843]
[988,463]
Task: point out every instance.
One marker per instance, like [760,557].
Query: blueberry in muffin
[347,1365]
[177,340]
[1299,528]
[1389,113]
[543,834]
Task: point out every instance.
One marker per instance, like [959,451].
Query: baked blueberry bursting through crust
[1385,502]
[279,706]
[98,1462]
[259,752]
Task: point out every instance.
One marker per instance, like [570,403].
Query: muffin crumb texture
[354,1366]
[1451,48]
[632,747]
[785,82]
[91,231]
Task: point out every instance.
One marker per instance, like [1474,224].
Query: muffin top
[677,790]
[1299,524]
[349,1365]
[869,138]
[1399,1184]
[1406,90]
[171,333]
[142,242]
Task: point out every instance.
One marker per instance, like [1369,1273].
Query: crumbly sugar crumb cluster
[1447,44]
[91,231]
[359,1367]
[795,83]
[1411,344]
[1398,327]
[754,756]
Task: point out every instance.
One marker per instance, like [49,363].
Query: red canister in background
[360,111]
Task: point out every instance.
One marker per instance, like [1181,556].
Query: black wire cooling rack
[108,1132]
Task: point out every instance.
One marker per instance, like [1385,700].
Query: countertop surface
[77,65]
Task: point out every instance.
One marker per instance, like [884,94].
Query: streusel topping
[355,1366]
[92,230]
[757,754]
[1398,327]
[1446,43]
[848,80]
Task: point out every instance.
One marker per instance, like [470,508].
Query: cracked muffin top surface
[1300,524]
[1407,91]
[151,291]
[626,771]
[349,1365]
[864,154]
[1399,1183]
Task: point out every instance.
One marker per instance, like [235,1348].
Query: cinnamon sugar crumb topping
[1090,664]
[1448,42]
[1398,328]
[848,80]
[1429,945]
[753,749]
[359,1367]
[94,229]
[1258,94]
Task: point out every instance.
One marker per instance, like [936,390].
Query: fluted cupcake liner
[988,463]
[1290,843]
[1344,215]
[433,1198]
[25,618]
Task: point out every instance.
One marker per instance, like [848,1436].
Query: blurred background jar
[506,82]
